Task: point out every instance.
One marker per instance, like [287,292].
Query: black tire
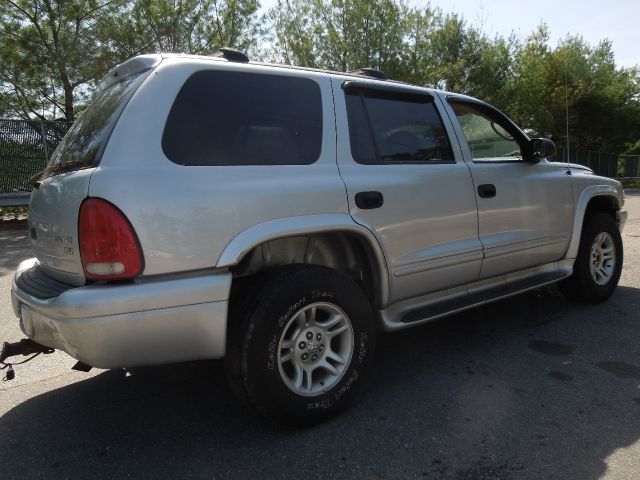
[581,286]
[268,307]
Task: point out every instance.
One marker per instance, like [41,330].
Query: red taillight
[109,247]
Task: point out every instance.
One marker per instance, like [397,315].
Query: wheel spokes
[328,367]
[337,331]
[315,348]
[308,379]
[331,355]
[298,375]
[310,315]
[286,357]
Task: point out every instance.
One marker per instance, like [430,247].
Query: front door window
[488,140]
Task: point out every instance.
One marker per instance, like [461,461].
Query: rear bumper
[150,322]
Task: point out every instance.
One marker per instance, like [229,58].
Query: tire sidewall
[598,224]
[260,362]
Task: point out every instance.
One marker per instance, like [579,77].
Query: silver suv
[209,207]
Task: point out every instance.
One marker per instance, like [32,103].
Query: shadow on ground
[531,387]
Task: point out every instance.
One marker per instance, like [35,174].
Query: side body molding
[581,207]
[253,236]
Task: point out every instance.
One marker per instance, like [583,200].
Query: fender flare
[253,236]
[586,196]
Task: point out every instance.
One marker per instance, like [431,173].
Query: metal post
[44,142]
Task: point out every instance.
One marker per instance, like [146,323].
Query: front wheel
[302,345]
[598,266]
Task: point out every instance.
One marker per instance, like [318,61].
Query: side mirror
[540,148]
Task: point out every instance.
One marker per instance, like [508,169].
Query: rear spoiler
[133,65]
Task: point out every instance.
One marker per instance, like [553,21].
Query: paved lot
[529,388]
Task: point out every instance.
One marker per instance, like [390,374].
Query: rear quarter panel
[184,216]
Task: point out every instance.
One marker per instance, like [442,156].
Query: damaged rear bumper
[152,321]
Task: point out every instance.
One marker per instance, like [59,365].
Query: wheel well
[342,251]
[601,204]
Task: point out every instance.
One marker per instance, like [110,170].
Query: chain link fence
[606,164]
[25,147]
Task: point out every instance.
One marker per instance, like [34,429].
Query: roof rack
[231,54]
[369,72]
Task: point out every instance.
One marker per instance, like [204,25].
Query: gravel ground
[528,388]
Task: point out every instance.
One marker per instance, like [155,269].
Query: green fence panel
[25,147]
[632,166]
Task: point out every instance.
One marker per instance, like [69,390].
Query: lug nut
[321,348]
[314,358]
[305,356]
[318,337]
[302,345]
[309,336]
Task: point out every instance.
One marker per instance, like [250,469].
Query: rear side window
[84,143]
[396,127]
[238,118]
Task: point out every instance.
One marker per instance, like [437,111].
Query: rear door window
[240,118]
[396,127]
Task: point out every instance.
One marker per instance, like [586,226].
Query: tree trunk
[68,99]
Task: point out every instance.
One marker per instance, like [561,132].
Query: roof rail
[369,72]
[231,54]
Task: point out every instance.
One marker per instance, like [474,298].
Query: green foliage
[54,51]
[184,26]
[338,34]
[50,55]
[527,79]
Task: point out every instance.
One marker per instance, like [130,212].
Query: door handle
[487,190]
[369,200]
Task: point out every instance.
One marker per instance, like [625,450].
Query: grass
[630,183]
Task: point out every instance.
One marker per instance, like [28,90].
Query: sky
[616,20]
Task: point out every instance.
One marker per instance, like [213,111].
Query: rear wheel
[301,350]
[597,268]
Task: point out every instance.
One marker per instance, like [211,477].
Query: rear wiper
[56,168]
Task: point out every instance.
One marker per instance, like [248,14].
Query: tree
[55,51]
[339,34]
[50,54]
[603,101]
[184,26]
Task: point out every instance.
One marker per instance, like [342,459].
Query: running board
[412,312]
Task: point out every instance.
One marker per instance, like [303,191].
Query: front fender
[610,191]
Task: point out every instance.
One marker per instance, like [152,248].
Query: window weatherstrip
[355,85]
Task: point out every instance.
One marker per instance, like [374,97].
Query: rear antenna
[566,107]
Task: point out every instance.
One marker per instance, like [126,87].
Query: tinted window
[85,141]
[394,127]
[234,118]
[487,135]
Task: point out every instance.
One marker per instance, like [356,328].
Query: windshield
[83,145]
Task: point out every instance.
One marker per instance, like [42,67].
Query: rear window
[84,143]
[239,118]
[395,127]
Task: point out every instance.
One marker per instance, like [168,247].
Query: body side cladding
[609,192]
[250,238]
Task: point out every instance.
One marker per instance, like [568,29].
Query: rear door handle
[487,190]
[369,200]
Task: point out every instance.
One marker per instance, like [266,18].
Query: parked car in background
[210,207]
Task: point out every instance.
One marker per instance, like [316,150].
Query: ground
[528,388]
